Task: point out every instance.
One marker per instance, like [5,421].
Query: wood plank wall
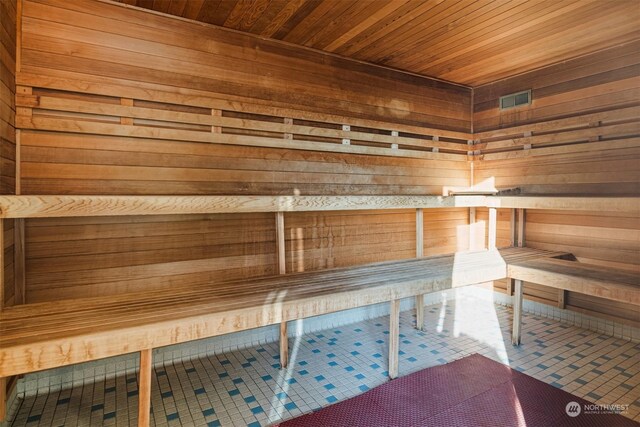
[8,16]
[584,124]
[120,101]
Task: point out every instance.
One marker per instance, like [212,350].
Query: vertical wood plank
[562,298]
[513,241]
[521,229]
[216,113]
[19,261]
[420,312]
[144,388]
[419,254]
[517,313]
[394,337]
[18,161]
[472,234]
[493,227]
[512,228]
[2,256]
[282,269]
[3,399]
[18,36]
[284,346]
[282,266]
[419,233]
[509,286]
[127,102]
[288,121]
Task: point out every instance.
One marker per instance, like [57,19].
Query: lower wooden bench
[604,282]
[41,336]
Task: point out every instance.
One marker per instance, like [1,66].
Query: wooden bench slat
[45,335]
[242,295]
[599,281]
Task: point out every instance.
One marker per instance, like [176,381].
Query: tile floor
[247,388]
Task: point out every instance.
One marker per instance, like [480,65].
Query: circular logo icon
[573,409]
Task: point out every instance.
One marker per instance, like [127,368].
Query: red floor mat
[474,391]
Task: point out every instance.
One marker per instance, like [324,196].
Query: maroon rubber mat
[473,391]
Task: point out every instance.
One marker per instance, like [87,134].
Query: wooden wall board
[576,102]
[69,257]
[119,101]
[11,292]
[598,82]
[261,69]
[8,37]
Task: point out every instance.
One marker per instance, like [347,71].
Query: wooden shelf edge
[74,206]
[573,203]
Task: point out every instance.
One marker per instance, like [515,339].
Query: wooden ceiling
[470,42]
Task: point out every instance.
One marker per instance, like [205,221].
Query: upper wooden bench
[600,281]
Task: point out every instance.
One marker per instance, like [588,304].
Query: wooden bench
[604,282]
[40,336]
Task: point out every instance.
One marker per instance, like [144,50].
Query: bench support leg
[493,219]
[144,388]
[562,298]
[509,286]
[284,345]
[394,338]
[3,399]
[517,312]
[420,312]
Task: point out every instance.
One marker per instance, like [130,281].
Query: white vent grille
[515,100]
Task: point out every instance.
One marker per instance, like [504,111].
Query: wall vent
[515,99]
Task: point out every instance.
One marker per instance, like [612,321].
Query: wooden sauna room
[358,213]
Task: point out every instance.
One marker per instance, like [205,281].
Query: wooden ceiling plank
[315,21]
[207,10]
[539,38]
[414,24]
[387,25]
[293,17]
[161,6]
[553,45]
[177,7]
[222,12]
[474,28]
[369,20]
[458,55]
[145,4]
[275,7]
[347,20]
[513,20]
[426,22]
[192,9]
[243,11]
